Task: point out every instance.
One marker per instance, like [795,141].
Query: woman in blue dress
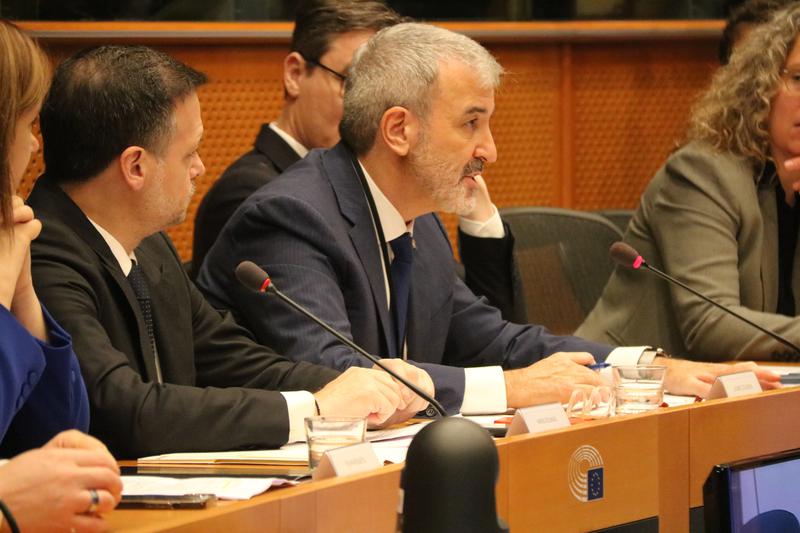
[67,483]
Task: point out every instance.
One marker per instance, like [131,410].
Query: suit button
[430,411]
[32,377]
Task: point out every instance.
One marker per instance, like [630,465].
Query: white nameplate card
[733,385]
[347,460]
[538,418]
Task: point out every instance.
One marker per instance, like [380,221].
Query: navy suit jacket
[312,231]
[41,389]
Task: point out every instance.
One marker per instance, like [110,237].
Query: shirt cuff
[626,355]
[300,405]
[484,390]
[492,228]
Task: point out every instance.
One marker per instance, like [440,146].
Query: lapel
[341,169]
[52,198]
[275,149]
[769,251]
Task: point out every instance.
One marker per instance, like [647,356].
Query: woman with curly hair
[70,480]
[722,216]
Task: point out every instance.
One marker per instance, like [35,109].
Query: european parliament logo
[585,474]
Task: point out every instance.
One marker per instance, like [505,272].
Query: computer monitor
[754,495]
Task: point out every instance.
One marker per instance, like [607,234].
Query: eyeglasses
[342,77]
[791,80]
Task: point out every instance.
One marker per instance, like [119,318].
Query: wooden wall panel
[631,105]
[580,122]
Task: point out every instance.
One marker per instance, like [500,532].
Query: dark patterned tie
[401,285]
[139,285]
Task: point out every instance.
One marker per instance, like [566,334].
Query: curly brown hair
[733,114]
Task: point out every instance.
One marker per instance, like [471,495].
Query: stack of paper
[225,488]
[293,454]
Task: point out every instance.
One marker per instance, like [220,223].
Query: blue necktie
[401,285]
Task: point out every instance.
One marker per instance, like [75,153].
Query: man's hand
[550,380]
[360,392]
[484,209]
[49,488]
[410,403]
[691,378]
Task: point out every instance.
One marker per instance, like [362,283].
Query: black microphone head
[449,480]
[252,276]
[623,254]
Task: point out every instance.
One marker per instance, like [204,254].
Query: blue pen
[599,366]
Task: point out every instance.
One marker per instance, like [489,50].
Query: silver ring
[95,503]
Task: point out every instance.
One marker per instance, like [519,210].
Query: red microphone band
[636,263]
[265,285]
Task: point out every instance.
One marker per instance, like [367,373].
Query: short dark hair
[103,100]
[748,12]
[318,22]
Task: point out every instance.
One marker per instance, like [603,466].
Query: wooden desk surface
[653,465]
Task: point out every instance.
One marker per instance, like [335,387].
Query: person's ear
[134,165]
[294,69]
[399,128]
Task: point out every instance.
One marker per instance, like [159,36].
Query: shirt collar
[293,143]
[391,220]
[125,261]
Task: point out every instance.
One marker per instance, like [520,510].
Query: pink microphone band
[636,262]
[265,285]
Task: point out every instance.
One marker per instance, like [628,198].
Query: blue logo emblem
[585,474]
[595,476]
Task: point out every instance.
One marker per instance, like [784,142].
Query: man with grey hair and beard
[351,233]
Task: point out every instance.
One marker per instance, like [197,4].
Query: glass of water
[325,433]
[637,388]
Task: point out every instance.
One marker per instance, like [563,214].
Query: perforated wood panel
[631,108]
[576,124]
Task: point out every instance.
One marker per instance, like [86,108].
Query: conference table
[653,469]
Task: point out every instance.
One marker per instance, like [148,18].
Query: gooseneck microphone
[253,277]
[624,255]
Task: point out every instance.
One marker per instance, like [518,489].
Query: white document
[410,430]
[290,454]
[674,401]
[225,488]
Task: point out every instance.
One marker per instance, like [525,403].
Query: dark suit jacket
[219,386]
[41,389]
[269,157]
[312,231]
[489,263]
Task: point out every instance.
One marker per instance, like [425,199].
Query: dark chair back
[563,262]
[618,217]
